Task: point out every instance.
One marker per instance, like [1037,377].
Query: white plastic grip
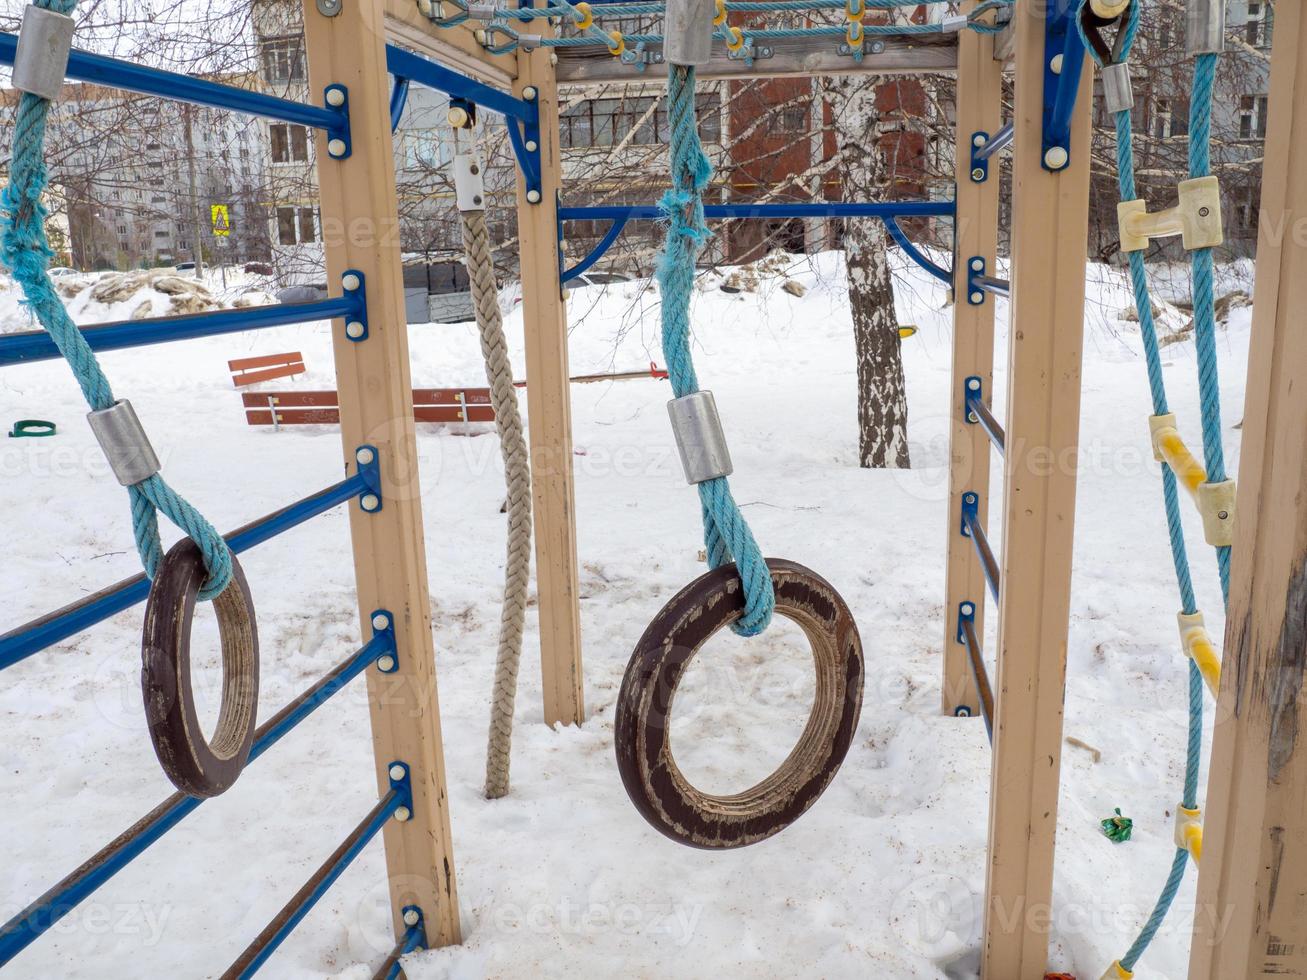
[44,42]
[689,30]
[1216,505]
[1196,218]
[469,183]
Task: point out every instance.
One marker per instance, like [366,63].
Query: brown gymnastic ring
[195,765]
[642,734]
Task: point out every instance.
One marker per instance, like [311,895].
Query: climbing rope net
[505,30]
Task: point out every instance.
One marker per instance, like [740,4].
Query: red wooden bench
[278,408]
[252,370]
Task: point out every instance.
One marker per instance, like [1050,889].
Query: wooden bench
[278,408]
[252,370]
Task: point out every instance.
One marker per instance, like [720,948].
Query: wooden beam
[1049,251]
[792,57]
[1252,885]
[549,410]
[979,109]
[360,223]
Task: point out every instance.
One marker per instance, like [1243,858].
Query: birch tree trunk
[865,176]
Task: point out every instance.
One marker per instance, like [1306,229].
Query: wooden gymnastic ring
[642,733]
[195,765]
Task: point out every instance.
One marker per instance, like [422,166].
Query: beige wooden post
[1251,919]
[549,410]
[1049,245]
[979,109]
[361,231]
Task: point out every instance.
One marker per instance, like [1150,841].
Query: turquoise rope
[1203,307]
[726,533]
[27,253]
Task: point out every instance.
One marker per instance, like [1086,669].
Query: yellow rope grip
[1110,9]
[719,18]
[853,33]
[1117,972]
[1196,218]
[616,44]
[585,17]
[855,10]
[1215,501]
[734,39]
[1198,647]
[1189,831]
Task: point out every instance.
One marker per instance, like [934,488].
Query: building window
[122,229]
[295,226]
[283,59]
[1261,23]
[609,122]
[1252,117]
[790,120]
[1170,118]
[161,233]
[290,144]
[1248,199]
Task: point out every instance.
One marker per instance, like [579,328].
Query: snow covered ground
[882,878]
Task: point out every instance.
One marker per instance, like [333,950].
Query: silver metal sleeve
[1205,27]
[1118,94]
[699,437]
[125,444]
[42,57]
[688,31]
[469,183]
[953,23]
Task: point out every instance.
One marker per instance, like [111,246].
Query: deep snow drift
[881,879]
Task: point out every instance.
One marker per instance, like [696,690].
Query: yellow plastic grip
[1198,646]
[1117,972]
[1189,831]
[853,33]
[585,17]
[719,18]
[734,39]
[855,9]
[616,43]
[1169,447]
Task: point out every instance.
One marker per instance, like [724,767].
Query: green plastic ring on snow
[32,429]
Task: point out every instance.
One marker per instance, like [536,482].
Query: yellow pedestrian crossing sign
[221,220]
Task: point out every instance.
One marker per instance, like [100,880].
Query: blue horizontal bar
[39,634]
[424,71]
[996,143]
[807,209]
[86,67]
[36,345]
[999,287]
[335,867]
[28,925]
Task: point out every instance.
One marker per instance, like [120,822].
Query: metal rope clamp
[195,765]
[642,730]
[41,61]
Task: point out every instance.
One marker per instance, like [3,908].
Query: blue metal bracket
[353,287]
[966,614]
[975,271]
[401,785]
[915,254]
[595,254]
[970,511]
[526,144]
[339,146]
[369,468]
[1064,58]
[979,164]
[398,99]
[383,629]
[972,391]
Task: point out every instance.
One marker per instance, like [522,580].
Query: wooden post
[1049,250]
[549,410]
[1251,917]
[360,225]
[979,109]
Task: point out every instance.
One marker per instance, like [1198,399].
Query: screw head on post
[411,917]
[365,455]
[386,663]
[402,813]
[335,97]
[977,265]
[1056,158]
[350,281]
[529,93]
[398,772]
[978,174]
[369,502]
[978,140]
[380,621]
[336,147]
[533,197]
[532,146]
[968,609]
[354,329]
[1055,64]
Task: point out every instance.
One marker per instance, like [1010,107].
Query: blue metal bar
[426,72]
[28,925]
[597,252]
[975,657]
[995,144]
[30,638]
[971,529]
[86,67]
[308,896]
[1061,37]
[398,98]
[807,209]
[912,252]
[415,937]
[999,287]
[36,345]
[978,413]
